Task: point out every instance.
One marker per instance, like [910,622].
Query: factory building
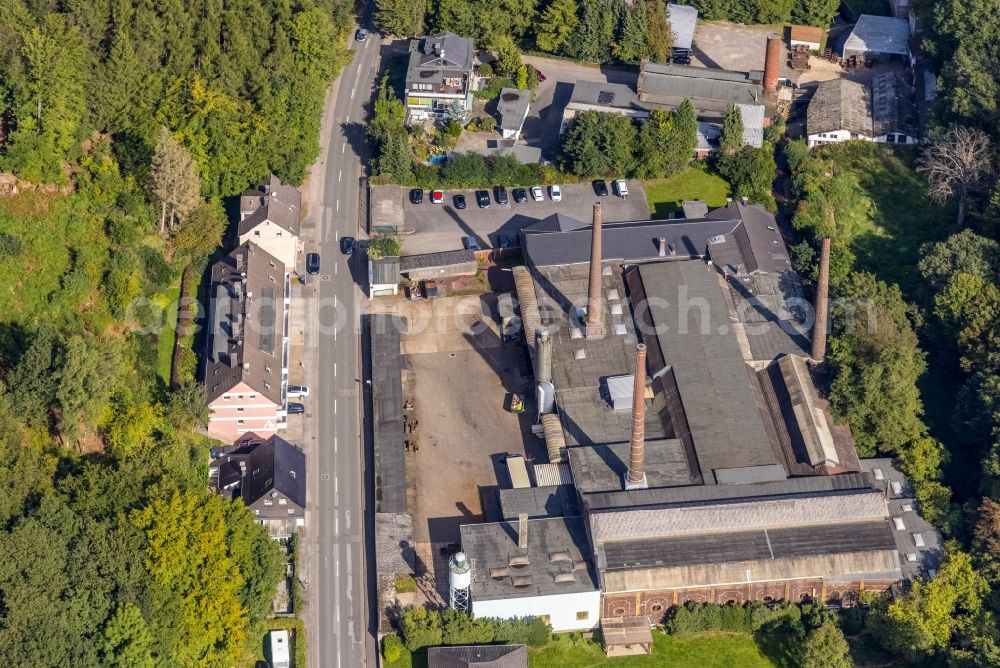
[696,460]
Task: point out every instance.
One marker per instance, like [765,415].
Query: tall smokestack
[544,356]
[772,63]
[636,476]
[822,304]
[595,327]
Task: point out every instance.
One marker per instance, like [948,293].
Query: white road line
[343,147]
[340,175]
[334,369]
[347,515]
[334,405]
[334,333]
[338,205]
[353,91]
[336,268]
[336,522]
[335,486]
[335,452]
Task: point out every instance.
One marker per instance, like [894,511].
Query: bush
[392,648]
[384,245]
[421,628]
[11,245]
[405,584]
[533,631]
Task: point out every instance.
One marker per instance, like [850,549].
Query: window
[291,511]
[271,262]
[257,233]
[252,397]
[239,396]
[282,502]
[256,511]
[583,615]
[225,397]
[292,473]
[267,369]
[216,372]
[268,502]
[267,386]
[241,422]
[240,409]
[656,607]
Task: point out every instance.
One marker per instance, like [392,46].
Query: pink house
[245,368]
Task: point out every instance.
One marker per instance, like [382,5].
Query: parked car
[520,195]
[601,188]
[536,194]
[500,192]
[361,34]
[483,199]
[470,243]
[621,188]
[555,193]
[416,196]
[347,245]
[312,263]
[296,408]
[437,197]
[458,201]
[298,391]
[541,77]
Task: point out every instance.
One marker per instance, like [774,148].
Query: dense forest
[126,123]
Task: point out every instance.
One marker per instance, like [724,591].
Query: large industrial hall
[675,363]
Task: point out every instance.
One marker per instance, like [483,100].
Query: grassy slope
[710,650]
[666,195]
[167,335]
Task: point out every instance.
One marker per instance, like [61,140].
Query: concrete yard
[429,228]
[733,46]
[460,379]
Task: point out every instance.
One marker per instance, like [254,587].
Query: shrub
[405,584]
[11,245]
[533,631]
[421,628]
[384,245]
[392,648]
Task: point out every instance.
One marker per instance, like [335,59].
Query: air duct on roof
[595,328]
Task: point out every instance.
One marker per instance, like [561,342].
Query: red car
[437,197]
[541,77]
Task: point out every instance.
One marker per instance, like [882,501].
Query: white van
[621,188]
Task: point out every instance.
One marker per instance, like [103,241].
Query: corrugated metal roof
[878,34]
[478,656]
[387,404]
[539,502]
[385,271]
[442,259]
[600,468]
[683,21]
[753,124]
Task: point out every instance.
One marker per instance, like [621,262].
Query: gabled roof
[246,322]
[256,467]
[385,271]
[892,105]
[557,222]
[513,107]
[271,202]
[709,89]
[478,656]
[840,105]
[683,21]
[879,34]
[432,56]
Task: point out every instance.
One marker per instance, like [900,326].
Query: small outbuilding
[439,265]
[878,38]
[806,36]
[478,656]
[383,277]
[512,110]
[625,636]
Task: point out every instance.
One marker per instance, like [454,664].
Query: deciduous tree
[731,137]
[825,647]
[402,18]
[173,180]
[956,166]
[598,143]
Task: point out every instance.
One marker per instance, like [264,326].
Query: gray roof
[893,110]
[840,104]
[557,222]
[880,35]
[436,57]
[756,545]
[804,487]
[683,20]
[478,656]
[721,398]
[262,466]
[556,547]
[271,202]
[710,90]
[246,327]
[431,260]
[513,107]
[537,502]
[385,271]
[599,94]
[601,468]
[753,124]
[524,153]
[387,405]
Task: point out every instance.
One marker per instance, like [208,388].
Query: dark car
[416,196]
[541,77]
[483,199]
[347,245]
[470,243]
[600,188]
[501,194]
[459,201]
[312,263]
[520,195]
[296,408]
[361,34]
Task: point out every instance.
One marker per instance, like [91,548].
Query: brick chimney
[822,304]
[635,478]
[595,327]
[772,63]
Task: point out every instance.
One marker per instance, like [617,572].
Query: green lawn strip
[665,196]
[167,336]
[709,650]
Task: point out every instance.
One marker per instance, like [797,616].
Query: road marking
[338,205]
[336,524]
[335,450]
[334,403]
[340,175]
[343,147]
[353,91]
[347,513]
[334,369]
[335,486]
[336,268]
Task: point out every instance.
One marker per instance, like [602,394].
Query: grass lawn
[168,334]
[666,195]
[890,215]
[709,650]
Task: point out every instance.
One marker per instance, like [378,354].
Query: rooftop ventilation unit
[556,557]
[564,578]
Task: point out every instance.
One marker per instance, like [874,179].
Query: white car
[536,193]
[621,188]
[555,193]
[298,391]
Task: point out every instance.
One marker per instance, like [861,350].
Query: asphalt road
[337,558]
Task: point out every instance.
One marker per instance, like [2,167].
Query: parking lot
[429,228]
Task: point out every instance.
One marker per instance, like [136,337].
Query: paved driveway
[428,228]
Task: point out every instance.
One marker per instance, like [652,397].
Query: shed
[625,636]
[512,110]
[383,277]
[439,265]
[881,38]
[806,36]
[620,391]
